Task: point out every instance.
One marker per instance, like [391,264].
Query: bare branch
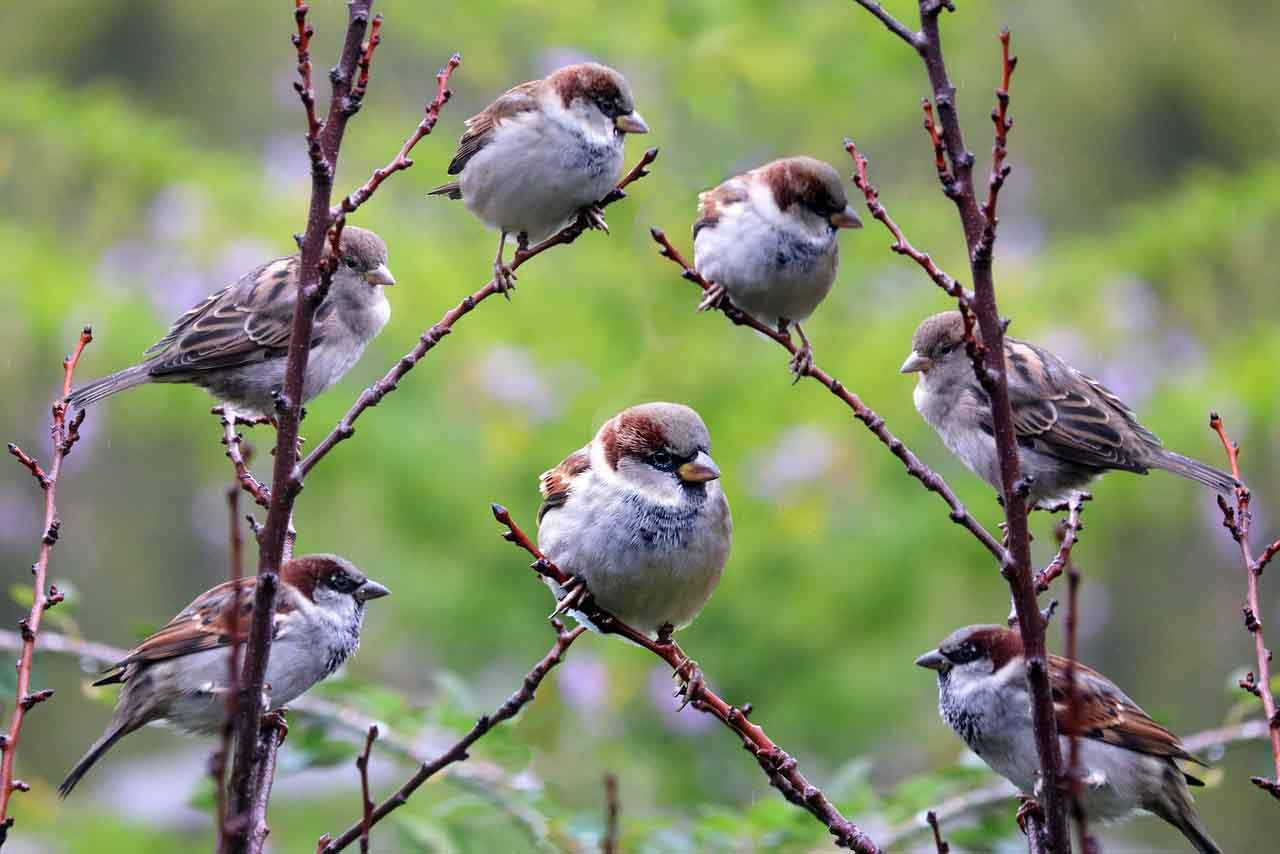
[458,752]
[1237,520]
[1067,532]
[239,456]
[894,26]
[373,395]
[781,769]
[62,435]
[609,843]
[1075,775]
[231,626]
[873,422]
[366,804]
[939,843]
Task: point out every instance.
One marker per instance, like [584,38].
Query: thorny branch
[255,744]
[63,435]
[239,457]
[1067,532]
[1237,520]
[781,769]
[979,226]
[873,422]
[374,394]
[458,752]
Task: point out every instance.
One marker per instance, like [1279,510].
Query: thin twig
[366,803]
[1075,776]
[893,24]
[939,844]
[781,769]
[873,422]
[374,394]
[1238,521]
[458,752]
[234,631]
[239,456]
[63,436]
[1067,532]
[270,737]
[609,842]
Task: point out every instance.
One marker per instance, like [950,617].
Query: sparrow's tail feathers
[108,385]
[114,733]
[1199,838]
[1216,479]
[1175,807]
[453,190]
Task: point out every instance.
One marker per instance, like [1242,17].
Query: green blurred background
[151,152]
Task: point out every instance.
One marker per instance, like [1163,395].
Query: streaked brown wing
[517,99]
[202,625]
[247,322]
[711,203]
[555,483]
[1061,412]
[1107,715]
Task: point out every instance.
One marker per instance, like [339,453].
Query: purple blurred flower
[583,681]
[800,455]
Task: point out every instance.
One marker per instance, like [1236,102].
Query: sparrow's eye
[946,348]
[342,582]
[349,261]
[964,653]
[661,459]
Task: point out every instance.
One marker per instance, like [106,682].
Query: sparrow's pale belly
[536,179]
[648,566]
[768,272]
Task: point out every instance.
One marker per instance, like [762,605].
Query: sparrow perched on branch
[234,343]
[639,516]
[542,153]
[1070,428]
[179,674]
[1127,760]
[767,238]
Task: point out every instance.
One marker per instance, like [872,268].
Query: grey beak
[916,363]
[933,660]
[380,275]
[370,590]
[631,123]
[847,218]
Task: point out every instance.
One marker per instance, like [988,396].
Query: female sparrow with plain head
[767,238]
[639,516]
[179,674]
[1070,428]
[234,343]
[542,153]
[1127,760]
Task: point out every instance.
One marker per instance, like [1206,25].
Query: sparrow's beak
[847,218]
[699,470]
[370,590]
[631,123]
[916,363]
[380,275]
[933,660]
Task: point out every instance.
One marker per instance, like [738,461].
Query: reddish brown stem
[873,422]
[62,435]
[232,628]
[1238,521]
[402,160]
[940,845]
[236,452]
[979,235]
[458,752]
[945,178]
[366,803]
[999,150]
[374,394]
[781,769]
[366,58]
[1068,532]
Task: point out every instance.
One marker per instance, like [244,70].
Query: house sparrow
[1070,428]
[639,516]
[1126,759]
[767,238]
[234,343]
[179,674]
[542,153]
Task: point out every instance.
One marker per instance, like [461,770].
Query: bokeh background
[151,152]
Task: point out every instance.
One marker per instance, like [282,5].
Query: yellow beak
[631,123]
[699,470]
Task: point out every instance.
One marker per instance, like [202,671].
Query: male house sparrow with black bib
[542,153]
[1127,760]
[1070,428]
[638,514]
[767,238]
[234,343]
[179,674]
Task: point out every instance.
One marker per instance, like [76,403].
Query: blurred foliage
[150,152]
